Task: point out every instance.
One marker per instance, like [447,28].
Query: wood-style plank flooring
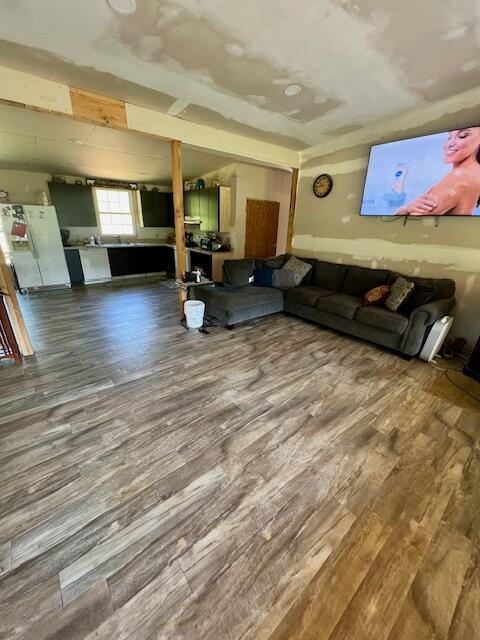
[275,482]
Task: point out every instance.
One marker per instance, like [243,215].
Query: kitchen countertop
[133,245]
[207,251]
[119,245]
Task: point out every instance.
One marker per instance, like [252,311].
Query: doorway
[261,228]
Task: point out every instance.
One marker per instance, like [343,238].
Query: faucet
[119,239]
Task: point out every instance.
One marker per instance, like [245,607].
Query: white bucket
[194,310]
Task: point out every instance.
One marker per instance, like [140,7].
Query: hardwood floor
[278,481]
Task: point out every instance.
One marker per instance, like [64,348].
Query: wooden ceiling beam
[28,91]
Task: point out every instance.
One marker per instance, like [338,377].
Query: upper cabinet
[211,206]
[156,209]
[74,204]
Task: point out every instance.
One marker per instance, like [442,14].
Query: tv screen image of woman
[432,175]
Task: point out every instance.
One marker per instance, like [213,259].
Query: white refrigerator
[30,237]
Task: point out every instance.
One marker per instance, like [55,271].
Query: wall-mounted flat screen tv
[435,175]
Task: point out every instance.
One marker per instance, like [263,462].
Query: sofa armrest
[420,319]
[433,311]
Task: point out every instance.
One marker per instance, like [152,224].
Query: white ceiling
[227,63]
[33,141]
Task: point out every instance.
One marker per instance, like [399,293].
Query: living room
[306,464]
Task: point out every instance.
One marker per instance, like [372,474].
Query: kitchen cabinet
[191,204]
[74,265]
[201,260]
[211,206]
[203,208]
[127,261]
[95,265]
[74,204]
[210,261]
[157,209]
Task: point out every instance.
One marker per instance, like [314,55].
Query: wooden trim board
[13,308]
[291,211]
[91,107]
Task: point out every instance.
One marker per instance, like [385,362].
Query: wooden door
[261,228]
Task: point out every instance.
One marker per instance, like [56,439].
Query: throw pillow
[263,277]
[376,296]
[421,294]
[399,292]
[299,268]
[283,279]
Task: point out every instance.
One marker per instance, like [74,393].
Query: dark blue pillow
[262,277]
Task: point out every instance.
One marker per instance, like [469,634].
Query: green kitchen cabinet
[191,204]
[211,206]
[213,203]
[203,207]
[157,209]
[74,204]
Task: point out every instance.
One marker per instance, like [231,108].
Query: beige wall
[25,187]
[258,183]
[332,228]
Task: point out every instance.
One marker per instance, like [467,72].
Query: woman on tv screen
[457,193]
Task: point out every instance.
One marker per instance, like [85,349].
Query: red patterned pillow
[377,295]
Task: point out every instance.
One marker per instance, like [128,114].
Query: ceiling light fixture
[125,7]
[75,140]
[292,90]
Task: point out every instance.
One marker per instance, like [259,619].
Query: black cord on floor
[460,387]
[446,371]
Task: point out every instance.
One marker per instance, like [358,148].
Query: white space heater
[435,339]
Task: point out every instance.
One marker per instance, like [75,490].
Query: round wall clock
[322,185]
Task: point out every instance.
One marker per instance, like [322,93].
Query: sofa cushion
[421,294]
[232,299]
[339,304]
[381,318]
[307,295]
[445,286]
[359,280]
[245,297]
[329,275]
[275,262]
[237,273]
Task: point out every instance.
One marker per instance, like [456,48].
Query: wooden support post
[15,313]
[177,182]
[291,212]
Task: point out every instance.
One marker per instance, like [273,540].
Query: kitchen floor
[275,482]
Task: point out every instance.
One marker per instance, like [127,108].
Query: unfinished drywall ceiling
[42,142]
[227,64]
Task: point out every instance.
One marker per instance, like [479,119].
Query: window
[115,212]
